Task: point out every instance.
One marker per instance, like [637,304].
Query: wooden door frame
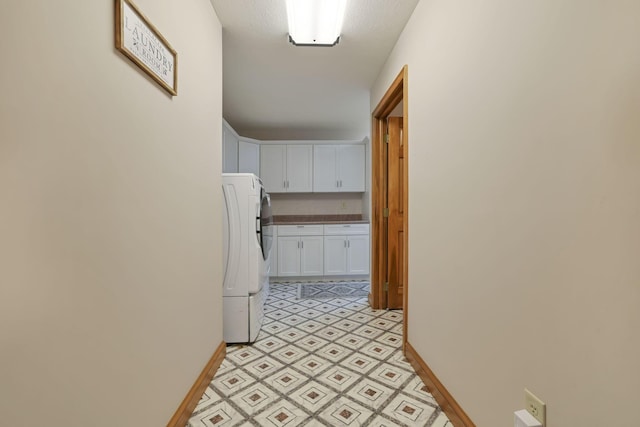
[398,91]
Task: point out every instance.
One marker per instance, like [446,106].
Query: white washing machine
[247,237]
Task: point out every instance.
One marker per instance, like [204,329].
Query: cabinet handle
[298,244]
[284,184]
[337,183]
[302,243]
[345,243]
[340,183]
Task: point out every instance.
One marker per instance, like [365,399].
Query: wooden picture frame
[143,44]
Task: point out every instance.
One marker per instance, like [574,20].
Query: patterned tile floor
[319,362]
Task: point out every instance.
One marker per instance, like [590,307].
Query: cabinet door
[358,254]
[311,256]
[272,168]
[299,168]
[335,255]
[289,256]
[351,165]
[229,151]
[273,256]
[325,171]
[301,230]
[248,157]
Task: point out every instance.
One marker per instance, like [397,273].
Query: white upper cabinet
[272,168]
[351,165]
[299,168]
[338,168]
[229,149]
[296,166]
[239,154]
[286,168]
[325,168]
[248,157]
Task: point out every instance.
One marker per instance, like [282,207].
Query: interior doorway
[389,182]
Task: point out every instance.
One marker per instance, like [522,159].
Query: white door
[358,254]
[351,165]
[299,166]
[335,255]
[249,157]
[311,256]
[289,256]
[325,172]
[272,168]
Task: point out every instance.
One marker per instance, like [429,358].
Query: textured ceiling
[274,90]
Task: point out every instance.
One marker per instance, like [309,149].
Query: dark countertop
[318,219]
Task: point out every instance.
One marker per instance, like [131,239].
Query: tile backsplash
[317,203]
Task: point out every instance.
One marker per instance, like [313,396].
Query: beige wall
[524,168]
[305,133]
[110,220]
[317,203]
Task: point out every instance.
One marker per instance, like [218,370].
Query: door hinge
[385,212]
[386,138]
[386,286]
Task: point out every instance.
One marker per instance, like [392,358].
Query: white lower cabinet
[358,255]
[322,250]
[300,250]
[335,255]
[273,256]
[346,254]
[288,255]
[311,255]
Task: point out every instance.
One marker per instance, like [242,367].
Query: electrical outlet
[535,406]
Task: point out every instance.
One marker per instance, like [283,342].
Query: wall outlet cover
[524,419]
[535,406]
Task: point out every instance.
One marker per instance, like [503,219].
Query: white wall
[524,169]
[110,220]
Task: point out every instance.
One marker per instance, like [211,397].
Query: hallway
[331,362]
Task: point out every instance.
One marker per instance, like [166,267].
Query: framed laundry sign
[143,44]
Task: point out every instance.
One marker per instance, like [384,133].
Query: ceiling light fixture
[315,22]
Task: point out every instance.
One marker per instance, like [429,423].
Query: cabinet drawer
[300,230]
[345,229]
